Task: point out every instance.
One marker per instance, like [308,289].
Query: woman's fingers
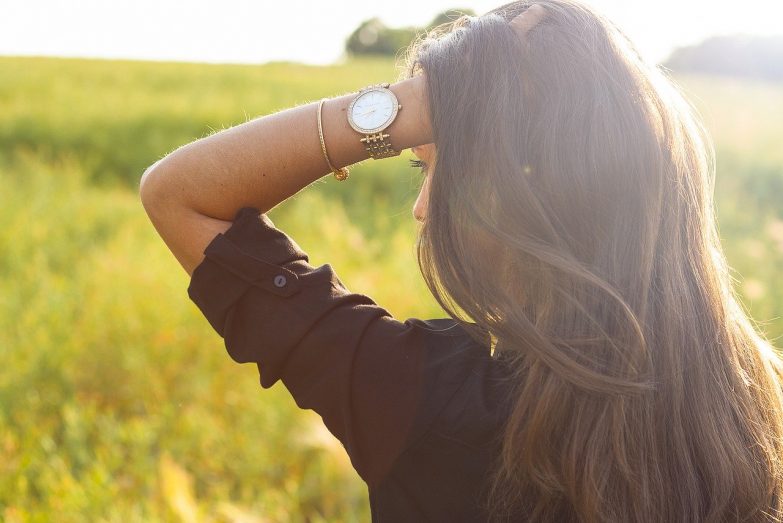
[528,18]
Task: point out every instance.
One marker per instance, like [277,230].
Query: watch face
[373,110]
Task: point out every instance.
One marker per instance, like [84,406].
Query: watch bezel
[395,109]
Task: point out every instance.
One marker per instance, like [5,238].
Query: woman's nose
[420,209]
[417,215]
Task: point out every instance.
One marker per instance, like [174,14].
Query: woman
[567,216]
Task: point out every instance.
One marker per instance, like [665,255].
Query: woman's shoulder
[467,386]
[441,475]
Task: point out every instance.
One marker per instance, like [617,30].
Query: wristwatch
[372,110]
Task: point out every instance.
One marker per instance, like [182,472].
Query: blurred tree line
[373,37]
[744,56]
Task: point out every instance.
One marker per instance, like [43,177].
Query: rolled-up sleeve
[375,381]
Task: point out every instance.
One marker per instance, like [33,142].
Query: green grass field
[118,402]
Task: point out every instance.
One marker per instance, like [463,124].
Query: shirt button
[280,280]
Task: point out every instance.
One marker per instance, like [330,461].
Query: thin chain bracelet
[342,173]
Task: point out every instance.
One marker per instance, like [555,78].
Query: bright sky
[256,31]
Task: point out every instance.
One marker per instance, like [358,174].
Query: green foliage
[374,38]
[117,400]
[449,16]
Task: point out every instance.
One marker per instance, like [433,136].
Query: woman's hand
[525,21]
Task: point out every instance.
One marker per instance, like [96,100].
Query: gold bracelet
[342,173]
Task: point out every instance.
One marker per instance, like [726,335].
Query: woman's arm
[194,192]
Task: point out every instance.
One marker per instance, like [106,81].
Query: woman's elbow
[151,186]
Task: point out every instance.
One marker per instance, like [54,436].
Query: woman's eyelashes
[420,165]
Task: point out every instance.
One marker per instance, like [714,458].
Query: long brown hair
[570,215]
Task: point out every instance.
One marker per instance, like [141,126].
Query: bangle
[342,173]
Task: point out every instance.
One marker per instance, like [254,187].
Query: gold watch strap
[378,145]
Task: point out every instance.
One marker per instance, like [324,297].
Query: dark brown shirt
[417,404]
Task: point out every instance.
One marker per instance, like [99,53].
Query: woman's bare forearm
[262,162]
